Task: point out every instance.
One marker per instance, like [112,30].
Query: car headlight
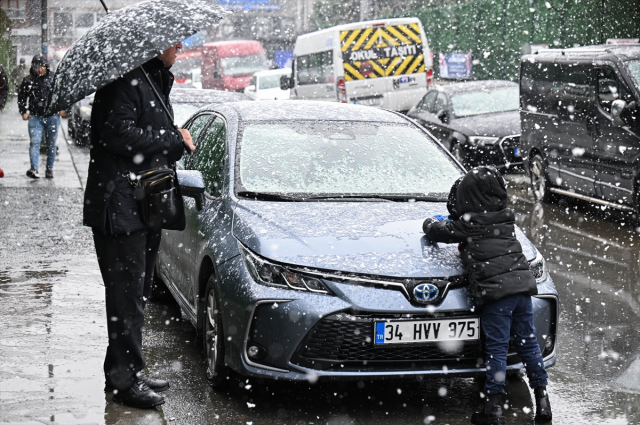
[267,273]
[538,268]
[481,140]
[85,112]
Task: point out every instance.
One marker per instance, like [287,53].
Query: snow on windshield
[342,158]
[482,102]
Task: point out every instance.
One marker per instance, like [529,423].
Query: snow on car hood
[380,238]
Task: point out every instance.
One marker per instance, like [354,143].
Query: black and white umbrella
[123,40]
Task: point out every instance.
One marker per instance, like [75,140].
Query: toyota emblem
[425,292]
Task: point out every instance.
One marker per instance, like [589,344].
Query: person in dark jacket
[4,88]
[33,96]
[499,280]
[130,132]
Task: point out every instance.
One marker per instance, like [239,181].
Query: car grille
[508,146]
[344,342]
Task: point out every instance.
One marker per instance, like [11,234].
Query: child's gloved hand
[441,217]
[435,219]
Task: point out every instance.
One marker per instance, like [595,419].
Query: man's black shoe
[48,173]
[543,407]
[492,412]
[157,385]
[33,173]
[139,396]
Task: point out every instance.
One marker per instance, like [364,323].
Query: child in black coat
[500,281]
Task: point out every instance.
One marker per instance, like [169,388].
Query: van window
[573,91]
[536,81]
[608,88]
[316,68]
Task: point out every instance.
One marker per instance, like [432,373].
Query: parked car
[477,121]
[188,79]
[385,63]
[265,85]
[303,256]
[581,124]
[184,101]
[228,65]
[79,121]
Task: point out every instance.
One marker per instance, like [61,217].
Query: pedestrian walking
[4,88]
[130,133]
[17,74]
[33,95]
[500,281]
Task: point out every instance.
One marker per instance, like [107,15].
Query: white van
[385,63]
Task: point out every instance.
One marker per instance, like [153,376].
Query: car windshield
[269,82]
[357,158]
[485,102]
[634,70]
[237,65]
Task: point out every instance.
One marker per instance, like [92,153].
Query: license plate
[516,152]
[403,332]
[368,102]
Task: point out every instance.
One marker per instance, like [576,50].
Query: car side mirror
[285,82]
[617,107]
[192,185]
[443,116]
[217,74]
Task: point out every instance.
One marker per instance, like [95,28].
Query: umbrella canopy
[124,40]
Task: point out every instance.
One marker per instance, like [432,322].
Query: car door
[573,94]
[423,111]
[616,147]
[441,127]
[315,79]
[208,158]
[175,252]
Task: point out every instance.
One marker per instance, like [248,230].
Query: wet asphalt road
[52,336]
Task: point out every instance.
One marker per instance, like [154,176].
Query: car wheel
[213,337]
[539,180]
[458,153]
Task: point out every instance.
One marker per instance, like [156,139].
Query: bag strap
[164,106]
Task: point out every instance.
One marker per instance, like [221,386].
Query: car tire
[458,153]
[540,184]
[218,374]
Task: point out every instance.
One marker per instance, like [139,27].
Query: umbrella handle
[164,106]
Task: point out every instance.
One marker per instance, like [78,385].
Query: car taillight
[342,90]
[429,76]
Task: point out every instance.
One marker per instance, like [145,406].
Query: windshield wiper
[395,198]
[270,196]
[267,196]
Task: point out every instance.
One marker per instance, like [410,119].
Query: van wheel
[539,180]
[458,153]
[213,337]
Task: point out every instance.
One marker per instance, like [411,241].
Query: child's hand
[440,217]
[435,219]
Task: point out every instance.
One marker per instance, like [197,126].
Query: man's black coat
[493,258]
[128,122]
[35,90]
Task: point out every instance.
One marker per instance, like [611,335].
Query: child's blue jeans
[500,319]
[48,126]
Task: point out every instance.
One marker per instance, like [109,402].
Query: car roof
[300,110]
[204,96]
[473,86]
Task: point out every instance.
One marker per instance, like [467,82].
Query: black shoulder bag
[156,190]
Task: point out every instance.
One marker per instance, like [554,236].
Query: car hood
[496,125]
[379,238]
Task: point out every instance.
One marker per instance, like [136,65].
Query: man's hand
[25,116]
[187,139]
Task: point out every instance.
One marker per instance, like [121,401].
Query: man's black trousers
[126,263]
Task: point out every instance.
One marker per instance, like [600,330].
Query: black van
[580,123]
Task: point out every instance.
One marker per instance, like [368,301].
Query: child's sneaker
[543,407]
[33,173]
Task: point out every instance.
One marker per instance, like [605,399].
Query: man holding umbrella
[125,58]
[129,130]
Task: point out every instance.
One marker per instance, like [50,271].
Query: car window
[536,81]
[427,101]
[253,80]
[574,91]
[440,103]
[270,81]
[209,156]
[342,157]
[195,128]
[485,102]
